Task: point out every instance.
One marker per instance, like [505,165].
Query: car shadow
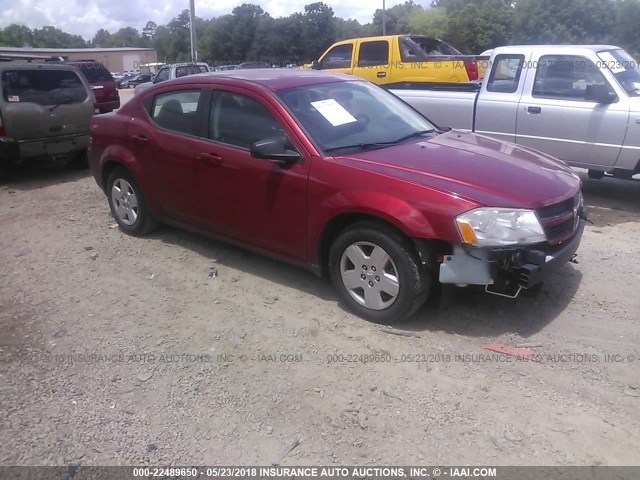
[463,311]
[246,261]
[611,201]
[471,312]
[36,175]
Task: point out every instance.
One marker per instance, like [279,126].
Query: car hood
[475,167]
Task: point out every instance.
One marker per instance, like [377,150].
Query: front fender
[397,212]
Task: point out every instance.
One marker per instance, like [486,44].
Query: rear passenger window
[45,87]
[177,111]
[373,53]
[240,120]
[505,73]
[566,77]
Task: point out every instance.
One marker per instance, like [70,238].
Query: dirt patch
[121,350]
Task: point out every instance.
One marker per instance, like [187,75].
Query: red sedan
[338,175]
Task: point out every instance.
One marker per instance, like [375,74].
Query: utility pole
[192,30]
[384,22]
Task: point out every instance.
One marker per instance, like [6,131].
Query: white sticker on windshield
[333,112]
[13,98]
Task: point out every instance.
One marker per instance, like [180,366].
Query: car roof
[35,66]
[273,79]
[555,49]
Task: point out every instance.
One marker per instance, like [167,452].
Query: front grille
[561,219]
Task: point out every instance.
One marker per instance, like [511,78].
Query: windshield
[624,68]
[94,72]
[353,115]
[45,87]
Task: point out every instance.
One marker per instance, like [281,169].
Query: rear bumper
[505,271]
[14,150]
[106,107]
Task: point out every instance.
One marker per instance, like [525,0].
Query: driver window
[566,77]
[162,75]
[338,57]
[239,120]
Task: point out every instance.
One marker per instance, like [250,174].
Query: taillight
[1,127]
[471,66]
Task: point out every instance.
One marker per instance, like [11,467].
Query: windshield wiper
[366,146]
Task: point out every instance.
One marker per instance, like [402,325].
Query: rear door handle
[211,159]
[534,110]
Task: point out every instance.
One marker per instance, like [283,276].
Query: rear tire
[377,274]
[128,205]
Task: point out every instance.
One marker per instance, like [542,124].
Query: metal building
[124,59]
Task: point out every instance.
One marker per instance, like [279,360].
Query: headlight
[494,227]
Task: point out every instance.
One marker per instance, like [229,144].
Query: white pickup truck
[577,103]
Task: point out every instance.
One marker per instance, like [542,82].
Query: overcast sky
[85,17]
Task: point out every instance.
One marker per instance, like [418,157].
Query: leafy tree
[101,39]
[319,29]
[562,21]
[17,36]
[625,32]
[396,18]
[431,21]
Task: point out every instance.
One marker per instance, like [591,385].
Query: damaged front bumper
[506,271]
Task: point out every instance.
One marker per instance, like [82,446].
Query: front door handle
[139,140]
[534,110]
[381,74]
[211,159]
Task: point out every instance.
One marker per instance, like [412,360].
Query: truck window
[566,77]
[624,68]
[338,57]
[162,75]
[505,74]
[373,53]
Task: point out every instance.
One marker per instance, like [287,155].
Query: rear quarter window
[94,72]
[44,87]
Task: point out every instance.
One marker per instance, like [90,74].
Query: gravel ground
[117,350]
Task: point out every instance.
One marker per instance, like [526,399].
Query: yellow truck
[397,60]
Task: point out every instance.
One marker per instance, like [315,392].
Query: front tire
[128,205]
[377,274]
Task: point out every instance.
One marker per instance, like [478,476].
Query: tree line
[472,26]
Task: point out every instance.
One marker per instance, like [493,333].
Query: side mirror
[274,148]
[315,65]
[600,94]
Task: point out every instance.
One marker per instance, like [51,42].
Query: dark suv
[45,111]
[102,84]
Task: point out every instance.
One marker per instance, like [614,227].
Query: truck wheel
[595,174]
[377,274]
[127,203]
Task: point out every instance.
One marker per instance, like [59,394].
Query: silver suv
[171,71]
[45,111]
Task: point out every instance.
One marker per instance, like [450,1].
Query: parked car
[45,110]
[398,59]
[247,65]
[338,175]
[123,81]
[102,84]
[171,71]
[136,80]
[578,103]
